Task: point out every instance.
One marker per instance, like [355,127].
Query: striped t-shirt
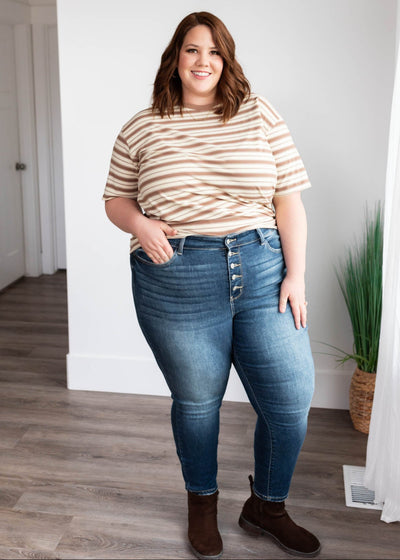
[204,177]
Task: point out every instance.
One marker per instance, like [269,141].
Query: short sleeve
[122,180]
[292,175]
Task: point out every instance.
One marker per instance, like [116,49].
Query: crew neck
[200,108]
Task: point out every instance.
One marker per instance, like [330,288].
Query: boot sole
[255,530]
[204,557]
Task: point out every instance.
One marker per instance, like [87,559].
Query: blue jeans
[214,303]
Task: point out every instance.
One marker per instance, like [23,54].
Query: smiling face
[200,66]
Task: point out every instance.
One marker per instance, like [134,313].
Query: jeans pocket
[273,241]
[141,256]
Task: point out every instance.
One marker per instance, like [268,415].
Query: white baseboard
[142,376]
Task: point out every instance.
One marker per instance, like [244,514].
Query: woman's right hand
[151,235]
[126,214]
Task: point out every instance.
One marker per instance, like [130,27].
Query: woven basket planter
[362,389]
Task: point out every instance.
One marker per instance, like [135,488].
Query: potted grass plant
[360,279]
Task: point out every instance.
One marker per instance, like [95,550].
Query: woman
[203,181]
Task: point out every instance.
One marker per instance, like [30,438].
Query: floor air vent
[357,495]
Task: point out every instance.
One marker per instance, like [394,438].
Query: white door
[12,264]
[55,115]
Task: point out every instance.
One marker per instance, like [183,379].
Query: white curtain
[383,453]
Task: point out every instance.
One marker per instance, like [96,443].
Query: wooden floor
[95,475]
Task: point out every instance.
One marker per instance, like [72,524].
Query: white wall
[327,65]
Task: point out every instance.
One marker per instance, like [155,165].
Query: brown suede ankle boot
[203,533]
[260,517]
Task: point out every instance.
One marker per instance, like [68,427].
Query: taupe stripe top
[204,177]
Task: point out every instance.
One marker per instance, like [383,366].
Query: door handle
[20,166]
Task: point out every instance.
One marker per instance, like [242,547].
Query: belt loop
[181,244]
[261,236]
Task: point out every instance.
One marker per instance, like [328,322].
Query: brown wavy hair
[233,87]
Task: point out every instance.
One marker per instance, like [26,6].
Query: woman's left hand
[293,290]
